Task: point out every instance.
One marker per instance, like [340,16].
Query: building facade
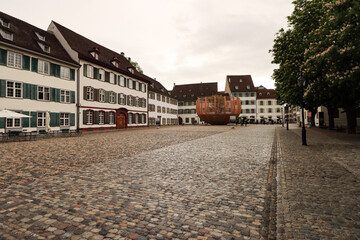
[37,78]
[112,93]
[187,95]
[242,86]
[163,107]
[268,108]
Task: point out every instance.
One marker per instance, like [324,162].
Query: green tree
[137,66]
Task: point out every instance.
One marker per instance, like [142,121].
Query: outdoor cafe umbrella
[10,114]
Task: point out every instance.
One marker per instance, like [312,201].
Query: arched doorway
[121,118]
[180,121]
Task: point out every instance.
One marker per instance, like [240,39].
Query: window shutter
[72,74]
[96,118]
[26,91]
[72,119]
[25,121]
[115,98]
[96,94]
[125,84]
[115,79]
[52,94]
[119,80]
[107,96]
[107,117]
[85,70]
[96,73]
[2,88]
[3,56]
[34,64]
[57,95]
[107,76]
[85,93]
[72,95]
[26,62]
[33,119]
[84,117]
[118,97]
[53,120]
[33,92]
[2,122]
[57,70]
[52,69]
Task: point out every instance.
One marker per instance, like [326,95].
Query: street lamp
[301,83]
[287,116]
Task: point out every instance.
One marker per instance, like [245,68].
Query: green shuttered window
[34,64]
[2,88]
[72,95]
[26,121]
[72,74]
[2,122]
[26,62]
[72,119]
[33,119]
[3,56]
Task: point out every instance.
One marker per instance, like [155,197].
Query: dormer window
[44,47]
[6,35]
[260,94]
[162,90]
[268,93]
[248,86]
[240,80]
[95,53]
[152,85]
[236,87]
[41,37]
[4,23]
[131,70]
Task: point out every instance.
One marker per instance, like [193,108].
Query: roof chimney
[122,54]
[129,58]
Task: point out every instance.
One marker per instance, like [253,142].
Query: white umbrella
[48,129]
[10,114]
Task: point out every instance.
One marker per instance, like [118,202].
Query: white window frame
[130,84]
[122,99]
[64,72]
[90,71]
[17,89]
[4,23]
[101,95]
[41,37]
[122,81]
[41,118]
[102,75]
[112,78]
[44,47]
[112,97]
[89,117]
[131,101]
[45,93]
[64,119]
[111,118]
[14,59]
[95,55]
[101,117]
[90,93]
[43,67]
[65,96]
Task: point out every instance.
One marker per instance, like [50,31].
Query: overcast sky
[174,41]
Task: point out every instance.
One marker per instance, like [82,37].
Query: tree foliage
[137,66]
[321,42]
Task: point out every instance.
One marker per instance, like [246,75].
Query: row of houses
[65,81]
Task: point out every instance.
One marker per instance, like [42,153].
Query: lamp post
[301,82]
[287,116]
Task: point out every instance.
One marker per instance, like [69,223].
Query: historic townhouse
[242,86]
[163,107]
[112,93]
[187,95]
[37,78]
[268,108]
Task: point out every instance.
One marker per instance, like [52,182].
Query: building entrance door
[121,118]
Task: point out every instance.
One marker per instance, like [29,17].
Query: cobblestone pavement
[23,162]
[318,186]
[212,187]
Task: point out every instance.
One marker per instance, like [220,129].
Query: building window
[111,117]
[269,110]
[101,75]
[95,55]
[261,103]
[101,117]
[112,78]
[130,118]
[122,99]
[64,119]
[247,110]
[14,89]
[134,85]
[158,97]
[89,93]
[252,94]
[130,101]
[122,81]
[44,47]
[90,71]
[43,67]
[41,119]
[261,110]
[6,35]
[116,64]
[43,93]
[158,109]
[277,110]
[101,95]
[112,97]
[163,98]
[13,122]
[89,117]
[64,96]
[14,59]
[4,23]
[65,72]
[252,110]
[248,86]
[269,103]
[163,110]
[237,87]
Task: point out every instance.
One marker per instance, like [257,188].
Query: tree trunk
[351,120]
[313,113]
[331,118]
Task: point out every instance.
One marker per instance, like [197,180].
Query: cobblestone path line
[318,186]
[208,188]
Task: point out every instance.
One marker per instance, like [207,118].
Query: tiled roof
[84,46]
[265,93]
[240,83]
[157,87]
[24,36]
[190,92]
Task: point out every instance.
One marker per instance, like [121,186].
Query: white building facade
[268,108]
[37,78]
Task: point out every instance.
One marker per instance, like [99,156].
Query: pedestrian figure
[245,123]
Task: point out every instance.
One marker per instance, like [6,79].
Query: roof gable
[190,92]
[240,83]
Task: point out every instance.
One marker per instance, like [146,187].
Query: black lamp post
[287,116]
[301,82]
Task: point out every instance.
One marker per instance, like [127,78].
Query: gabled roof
[25,36]
[190,92]
[240,83]
[84,46]
[265,94]
[157,87]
